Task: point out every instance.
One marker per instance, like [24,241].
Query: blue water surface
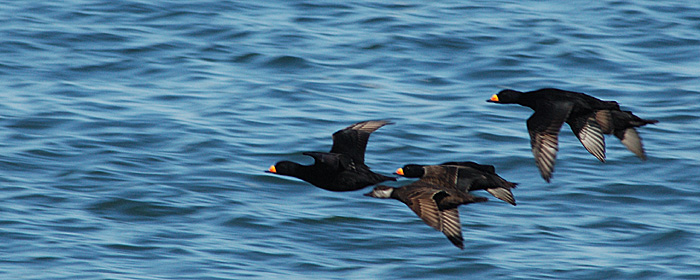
[135,136]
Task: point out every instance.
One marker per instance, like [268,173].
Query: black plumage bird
[434,202]
[588,117]
[465,176]
[343,168]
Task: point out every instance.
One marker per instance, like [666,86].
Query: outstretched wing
[544,126]
[630,138]
[590,133]
[451,227]
[503,194]
[352,140]
[624,129]
[422,202]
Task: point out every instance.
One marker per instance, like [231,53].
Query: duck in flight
[465,176]
[589,118]
[343,168]
[434,202]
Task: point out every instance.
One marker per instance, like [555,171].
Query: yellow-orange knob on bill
[399,171]
[272,169]
[494,98]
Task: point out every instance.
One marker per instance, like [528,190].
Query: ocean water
[134,137]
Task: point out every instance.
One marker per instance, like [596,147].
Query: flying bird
[343,168]
[465,176]
[435,203]
[588,117]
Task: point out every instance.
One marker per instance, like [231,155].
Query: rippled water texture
[135,136]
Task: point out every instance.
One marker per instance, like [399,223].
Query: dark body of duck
[343,168]
[434,202]
[588,117]
[465,176]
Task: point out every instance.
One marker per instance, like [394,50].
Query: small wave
[248,57]
[288,61]
[130,209]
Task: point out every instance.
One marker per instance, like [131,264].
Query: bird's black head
[506,96]
[284,168]
[411,171]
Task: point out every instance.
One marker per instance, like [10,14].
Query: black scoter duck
[435,203]
[343,168]
[588,117]
[466,176]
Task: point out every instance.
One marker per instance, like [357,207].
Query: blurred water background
[134,136]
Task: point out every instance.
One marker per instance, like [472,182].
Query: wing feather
[544,126]
[352,140]
[630,138]
[590,133]
[445,221]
